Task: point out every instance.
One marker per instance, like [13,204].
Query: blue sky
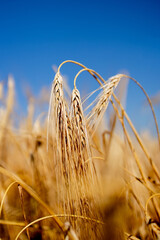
[108,36]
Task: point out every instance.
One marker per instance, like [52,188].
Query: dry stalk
[22,206]
[138,138]
[35,196]
[149,102]
[4,196]
[129,142]
[92,72]
[145,183]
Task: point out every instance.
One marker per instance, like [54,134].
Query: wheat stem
[32,193]
[88,70]
[148,200]
[2,202]
[129,142]
[137,137]
[83,66]
[150,103]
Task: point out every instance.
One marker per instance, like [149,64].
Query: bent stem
[83,66]
[148,99]
[41,219]
[148,200]
[135,155]
[150,103]
[125,76]
[58,215]
[137,137]
[2,202]
[35,196]
[88,70]
[129,142]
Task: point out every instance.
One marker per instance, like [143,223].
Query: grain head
[101,103]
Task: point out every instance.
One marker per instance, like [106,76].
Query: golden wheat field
[68,174]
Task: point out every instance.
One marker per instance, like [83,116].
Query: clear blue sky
[108,36]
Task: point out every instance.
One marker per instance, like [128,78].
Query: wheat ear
[58,129]
[80,139]
[101,103]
